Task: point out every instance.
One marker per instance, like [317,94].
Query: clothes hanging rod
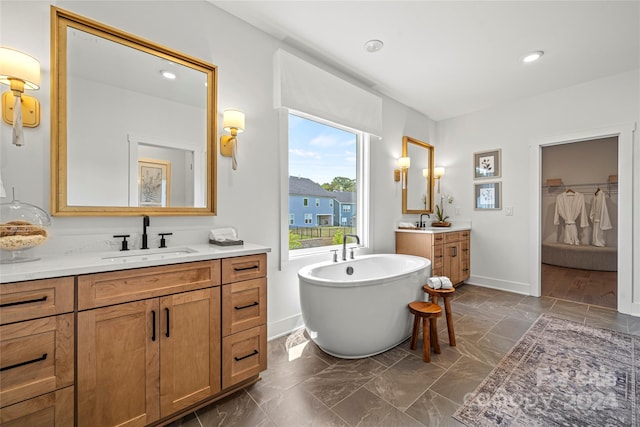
[595,184]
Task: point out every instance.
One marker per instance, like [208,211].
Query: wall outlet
[457,211]
[508,210]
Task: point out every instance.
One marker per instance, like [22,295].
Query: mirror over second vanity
[417,193]
[133,124]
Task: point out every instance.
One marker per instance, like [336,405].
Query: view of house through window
[322,167]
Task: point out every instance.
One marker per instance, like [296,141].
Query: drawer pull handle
[253,267]
[237,359]
[29,301]
[246,306]
[166,310]
[153,321]
[28,362]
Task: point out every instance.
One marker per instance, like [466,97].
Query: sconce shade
[15,65]
[438,172]
[233,119]
[404,162]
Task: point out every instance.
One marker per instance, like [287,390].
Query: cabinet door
[117,360]
[452,264]
[190,348]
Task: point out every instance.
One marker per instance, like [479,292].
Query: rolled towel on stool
[446,282]
[434,282]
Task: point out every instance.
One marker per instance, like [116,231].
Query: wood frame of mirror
[61,20]
[429,181]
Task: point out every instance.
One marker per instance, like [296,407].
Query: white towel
[434,282]
[446,282]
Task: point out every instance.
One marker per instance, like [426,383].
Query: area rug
[561,373]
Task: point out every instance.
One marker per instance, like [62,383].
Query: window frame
[363,164]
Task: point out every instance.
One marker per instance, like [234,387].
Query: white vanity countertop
[96,262]
[434,230]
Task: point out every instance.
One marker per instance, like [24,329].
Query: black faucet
[344,245]
[145,224]
[423,224]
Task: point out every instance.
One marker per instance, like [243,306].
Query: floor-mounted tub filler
[358,308]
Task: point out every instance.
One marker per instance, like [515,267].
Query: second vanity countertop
[435,230]
[97,262]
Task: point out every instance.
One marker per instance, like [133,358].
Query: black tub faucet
[145,224]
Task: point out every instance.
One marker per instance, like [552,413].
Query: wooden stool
[426,311]
[446,294]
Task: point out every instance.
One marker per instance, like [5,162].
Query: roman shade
[304,87]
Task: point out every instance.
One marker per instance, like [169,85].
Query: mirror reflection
[135,121]
[417,197]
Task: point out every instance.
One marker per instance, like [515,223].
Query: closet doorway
[579,221]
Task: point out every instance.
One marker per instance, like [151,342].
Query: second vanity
[103,340]
[448,248]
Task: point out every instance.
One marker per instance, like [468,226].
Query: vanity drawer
[52,409]
[244,355]
[244,305]
[438,238]
[104,289]
[37,298]
[453,236]
[36,357]
[244,268]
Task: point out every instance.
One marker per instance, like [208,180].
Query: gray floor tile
[303,386]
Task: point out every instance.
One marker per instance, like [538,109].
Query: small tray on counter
[227,242]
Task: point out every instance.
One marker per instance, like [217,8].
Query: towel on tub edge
[439,282]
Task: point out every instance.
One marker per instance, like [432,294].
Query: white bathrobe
[599,216]
[570,206]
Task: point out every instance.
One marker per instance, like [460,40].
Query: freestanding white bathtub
[358,308]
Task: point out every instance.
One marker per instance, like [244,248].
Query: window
[326,160]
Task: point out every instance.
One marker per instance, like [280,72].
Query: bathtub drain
[349,270]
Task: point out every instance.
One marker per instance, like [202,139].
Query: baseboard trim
[503,285]
[284,326]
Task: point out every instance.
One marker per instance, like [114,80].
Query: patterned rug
[561,373]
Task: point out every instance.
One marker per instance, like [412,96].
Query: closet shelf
[595,184]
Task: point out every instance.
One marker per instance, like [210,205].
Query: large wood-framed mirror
[417,193]
[126,139]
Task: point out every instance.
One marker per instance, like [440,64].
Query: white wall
[500,244]
[247,198]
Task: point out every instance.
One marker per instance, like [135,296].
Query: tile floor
[305,387]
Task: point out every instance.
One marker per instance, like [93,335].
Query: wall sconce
[19,71]
[233,122]
[403,164]
[437,174]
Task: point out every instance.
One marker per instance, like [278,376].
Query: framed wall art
[488,195]
[487,164]
[154,182]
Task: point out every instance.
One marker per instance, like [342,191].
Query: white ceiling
[449,58]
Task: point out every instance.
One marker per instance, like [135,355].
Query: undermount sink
[150,254]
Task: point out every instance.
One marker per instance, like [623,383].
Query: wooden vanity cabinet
[449,252]
[144,360]
[37,353]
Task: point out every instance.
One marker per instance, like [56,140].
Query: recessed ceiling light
[168,74]
[533,56]
[373,46]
